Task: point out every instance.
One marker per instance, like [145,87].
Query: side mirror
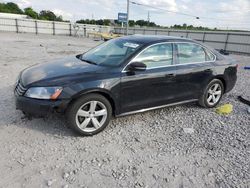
[137,66]
[78,56]
[224,52]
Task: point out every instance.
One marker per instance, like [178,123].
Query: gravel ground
[182,146]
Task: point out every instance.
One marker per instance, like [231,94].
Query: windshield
[110,53]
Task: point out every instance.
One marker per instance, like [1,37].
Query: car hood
[56,71]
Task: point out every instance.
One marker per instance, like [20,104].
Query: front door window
[155,56]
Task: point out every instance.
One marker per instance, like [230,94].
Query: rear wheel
[212,94]
[89,114]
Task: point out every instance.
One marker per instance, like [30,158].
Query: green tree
[131,23]
[152,24]
[31,13]
[49,15]
[92,22]
[60,19]
[82,21]
[141,22]
[10,8]
[106,22]
[98,22]
[190,27]
[87,21]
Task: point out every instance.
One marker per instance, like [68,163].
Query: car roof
[149,39]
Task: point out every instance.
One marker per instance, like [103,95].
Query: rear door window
[192,53]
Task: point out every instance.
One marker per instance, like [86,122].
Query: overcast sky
[212,13]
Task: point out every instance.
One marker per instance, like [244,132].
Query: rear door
[194,68]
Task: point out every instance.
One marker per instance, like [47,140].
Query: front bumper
[39,107]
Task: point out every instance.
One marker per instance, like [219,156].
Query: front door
[153,87]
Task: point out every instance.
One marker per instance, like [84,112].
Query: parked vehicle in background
[124,76]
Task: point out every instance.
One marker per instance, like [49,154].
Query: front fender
[109,88]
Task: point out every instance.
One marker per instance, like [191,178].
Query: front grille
[19,89]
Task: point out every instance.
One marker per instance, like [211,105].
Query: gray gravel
[182,146]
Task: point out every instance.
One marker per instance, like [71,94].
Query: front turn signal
[56,94]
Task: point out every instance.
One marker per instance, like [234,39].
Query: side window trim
[175,58]
[206,52]
[176,62]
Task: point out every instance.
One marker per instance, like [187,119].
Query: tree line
[141,23]
[107,22]
[42,15]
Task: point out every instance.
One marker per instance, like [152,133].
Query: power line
[216,19]
[181,13]
[185,14]
[225,11]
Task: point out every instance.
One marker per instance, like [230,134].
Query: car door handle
[208,70]
[170,75]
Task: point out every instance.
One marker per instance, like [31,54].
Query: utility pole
[148,18]
[127,17]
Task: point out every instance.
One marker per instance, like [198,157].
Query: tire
[87,114]
[206,99]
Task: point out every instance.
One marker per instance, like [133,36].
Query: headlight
[44,92]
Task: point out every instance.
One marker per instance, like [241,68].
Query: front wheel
[212,94]
[89,114]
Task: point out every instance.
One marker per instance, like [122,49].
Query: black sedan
[124,76]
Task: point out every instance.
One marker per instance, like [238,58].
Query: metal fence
[49,27]
[236,42]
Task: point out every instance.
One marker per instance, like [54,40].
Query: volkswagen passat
[124,76]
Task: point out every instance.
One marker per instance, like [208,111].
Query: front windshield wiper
[89,61]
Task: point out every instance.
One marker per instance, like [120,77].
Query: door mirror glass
[137,66]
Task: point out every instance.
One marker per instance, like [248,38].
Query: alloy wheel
[91,116]
[214,94]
